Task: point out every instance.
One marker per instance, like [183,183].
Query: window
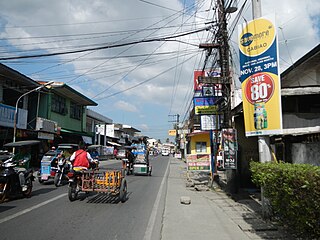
[59,105]
[201,147]
[75,111]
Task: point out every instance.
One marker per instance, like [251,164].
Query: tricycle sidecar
[49,162]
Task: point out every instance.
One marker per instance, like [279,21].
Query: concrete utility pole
[263,141]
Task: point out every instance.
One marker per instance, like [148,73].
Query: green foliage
[294,193]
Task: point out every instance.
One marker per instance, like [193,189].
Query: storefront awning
[114,144]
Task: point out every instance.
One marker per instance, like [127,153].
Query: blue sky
[143,83]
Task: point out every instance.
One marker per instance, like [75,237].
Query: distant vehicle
[121,154]
[165,152]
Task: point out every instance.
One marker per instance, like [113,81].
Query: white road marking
[152,219]
[31,208]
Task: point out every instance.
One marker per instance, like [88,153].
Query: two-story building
[50,112]
[68,108]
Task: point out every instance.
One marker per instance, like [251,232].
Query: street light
[16,109]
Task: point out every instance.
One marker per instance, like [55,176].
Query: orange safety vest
[81,159]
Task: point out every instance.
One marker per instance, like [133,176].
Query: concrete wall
[306,153]
[300,120]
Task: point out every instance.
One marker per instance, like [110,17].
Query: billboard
[260,78]
[206,73]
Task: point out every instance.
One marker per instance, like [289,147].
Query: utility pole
[263,141]
[226,86]
[176,121]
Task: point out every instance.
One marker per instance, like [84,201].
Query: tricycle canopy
[22,143]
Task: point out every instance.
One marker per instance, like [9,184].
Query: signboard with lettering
[230,147]
[205,73]
[209,122]
[172,132]
[7,117]
[259,76]
[198,162]
[205,105]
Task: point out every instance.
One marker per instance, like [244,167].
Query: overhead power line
[104,47]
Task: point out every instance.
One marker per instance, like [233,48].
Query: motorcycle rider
[81,158]
[130,157]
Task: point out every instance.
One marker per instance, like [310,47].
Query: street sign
[207,91]
[172,132]
[212,80]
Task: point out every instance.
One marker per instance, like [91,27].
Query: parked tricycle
[16,174]
[49,162]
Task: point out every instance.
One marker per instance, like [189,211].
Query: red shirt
[81,159]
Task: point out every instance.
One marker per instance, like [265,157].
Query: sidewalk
[211,214]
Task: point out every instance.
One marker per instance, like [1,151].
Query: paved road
[48,214]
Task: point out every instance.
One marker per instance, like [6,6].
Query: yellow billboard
[260,78]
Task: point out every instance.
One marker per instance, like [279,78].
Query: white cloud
[125,106]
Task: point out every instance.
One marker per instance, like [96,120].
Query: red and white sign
[259,88]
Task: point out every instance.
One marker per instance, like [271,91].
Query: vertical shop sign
[260,78]
[230,147]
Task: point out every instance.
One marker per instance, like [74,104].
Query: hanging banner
[260,78]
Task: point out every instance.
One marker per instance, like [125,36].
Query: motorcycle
[75,180]
[10,180]
[127,166]
[63,168]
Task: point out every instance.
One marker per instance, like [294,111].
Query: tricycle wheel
[27,193]
[123,190]
[4,190]
[56,180]
[72,193]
